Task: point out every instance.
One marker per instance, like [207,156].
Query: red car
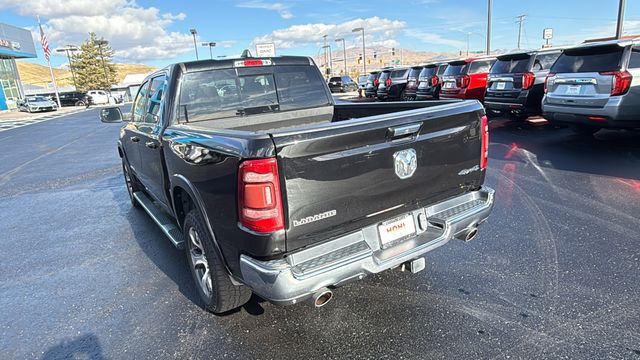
[466,78]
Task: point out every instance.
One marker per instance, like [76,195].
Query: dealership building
[15,43]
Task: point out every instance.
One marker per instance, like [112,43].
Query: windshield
[456,69]
[216,94]
[37,99]
[427,72]
[335,79]
[511,66]
[595,59]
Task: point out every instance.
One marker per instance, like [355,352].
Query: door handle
[403,131]
[151,144]
[134,139]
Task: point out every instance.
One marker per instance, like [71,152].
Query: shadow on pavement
[82,347]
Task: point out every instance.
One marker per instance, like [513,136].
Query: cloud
[432,38]
[136,33]
[282,9]
[376,29]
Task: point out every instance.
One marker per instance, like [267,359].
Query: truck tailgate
[341,176]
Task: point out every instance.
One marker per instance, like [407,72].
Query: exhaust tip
[471,234]
[322,297]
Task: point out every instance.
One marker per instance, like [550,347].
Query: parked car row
[591,86]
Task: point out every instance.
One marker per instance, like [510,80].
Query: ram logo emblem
[405,163]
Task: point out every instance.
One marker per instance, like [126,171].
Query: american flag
[45,43]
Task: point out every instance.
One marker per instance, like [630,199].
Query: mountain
[38,75]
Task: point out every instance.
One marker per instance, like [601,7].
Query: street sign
[547,46]
[547,33]
[266,50]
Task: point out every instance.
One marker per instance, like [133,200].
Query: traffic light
[375,54]
[393,51]
[360,59]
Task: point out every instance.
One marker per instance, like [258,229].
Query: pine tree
[91,63]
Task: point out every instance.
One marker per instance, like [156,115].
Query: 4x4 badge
[405,163]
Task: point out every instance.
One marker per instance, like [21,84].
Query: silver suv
[594,86]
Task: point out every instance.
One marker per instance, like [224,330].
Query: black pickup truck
[271,187]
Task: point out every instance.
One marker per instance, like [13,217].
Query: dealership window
[9,81]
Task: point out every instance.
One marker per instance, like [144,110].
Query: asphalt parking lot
[553,274]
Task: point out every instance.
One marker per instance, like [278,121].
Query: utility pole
[520,22]
[344,54]
[193,32]
[326,62]
[489,27]
[619,27]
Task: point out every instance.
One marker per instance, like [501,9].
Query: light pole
[193,32]
[364,55]
[210,45]
[67,49]
[489,27]
[344,54]
[621,7]
[100,44]
[327,49]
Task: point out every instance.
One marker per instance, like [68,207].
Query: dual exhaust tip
[322,297]
[468,234]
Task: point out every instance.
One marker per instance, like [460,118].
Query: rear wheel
[80,103]
[584,130]
[215,288]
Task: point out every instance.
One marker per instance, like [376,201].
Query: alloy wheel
[199,262]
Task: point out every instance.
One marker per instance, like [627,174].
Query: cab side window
[634,60]
[139,104]
[156,92]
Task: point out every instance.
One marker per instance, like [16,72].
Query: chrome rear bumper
[353,256]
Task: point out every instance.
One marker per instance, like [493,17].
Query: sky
[157,33]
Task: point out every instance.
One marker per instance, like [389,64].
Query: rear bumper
[496,101]
[353,256]
[617,113]
[423,94]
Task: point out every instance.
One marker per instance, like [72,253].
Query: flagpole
[53,79]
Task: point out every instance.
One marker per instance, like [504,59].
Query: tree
[93,65]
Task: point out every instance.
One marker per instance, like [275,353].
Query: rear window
[456,69]
[634,60]
[428,72]
[595,59]
[442,69]
[544,61]
[384,75]
[216,94]
[372,77]
[414,72]
[335,79]
[399,73]
[511,66]
[479,67]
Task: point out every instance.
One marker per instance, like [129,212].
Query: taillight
[376,82]
[387,82]
[435,80]
[464,81]
[484,149]
[259,200]
[621,81]
[528,79]
[546,80]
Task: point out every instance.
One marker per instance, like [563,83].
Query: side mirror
[111,115]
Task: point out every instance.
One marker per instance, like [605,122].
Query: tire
[584,130]
[217,292]
[131,183]
[80,103]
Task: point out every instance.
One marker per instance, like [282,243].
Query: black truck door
[150,144]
